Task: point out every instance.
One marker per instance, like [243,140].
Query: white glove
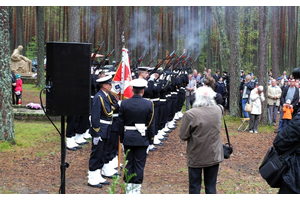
[161,77]
[152,77]
[147,151]
[96,140]
[119,102]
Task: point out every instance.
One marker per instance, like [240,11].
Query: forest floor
[28,171]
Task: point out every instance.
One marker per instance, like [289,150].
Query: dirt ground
[23,172]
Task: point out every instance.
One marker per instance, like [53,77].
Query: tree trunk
[40,12]
[7,130]
[218,13]
[275,42]
[20,27]
[263,59]
[11,29]
[74,24]
[292,40]
[235,62]
[119,26]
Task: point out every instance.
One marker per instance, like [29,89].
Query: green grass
[31,134]
[31,88]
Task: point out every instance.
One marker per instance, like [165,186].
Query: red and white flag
[122,85]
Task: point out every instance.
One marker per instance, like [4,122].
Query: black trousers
[71,126]
[98,155]
[82,124]
[136,158]
[210,179]
[162,115]
[156,116]
[181,99]
[113,145]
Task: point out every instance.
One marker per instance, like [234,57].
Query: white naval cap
[110,73]
[139,83]
[105,79]
[145,69]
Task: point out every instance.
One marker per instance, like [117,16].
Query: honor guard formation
[141,123]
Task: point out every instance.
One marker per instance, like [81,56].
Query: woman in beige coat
[200,127]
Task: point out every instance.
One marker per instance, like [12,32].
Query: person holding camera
[246,86]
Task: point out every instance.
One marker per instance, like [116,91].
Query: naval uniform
[181,91]
[113,141]
[101,119]
[136,110]
[155,99]
[163,102]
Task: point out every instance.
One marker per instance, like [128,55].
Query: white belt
[163,99]
[157,99]
[182,88]
[132,128]
[146,98]
[173,92]
[116,115]
[105,122]
[168,95]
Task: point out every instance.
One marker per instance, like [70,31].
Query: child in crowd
[287,113]
[18,89]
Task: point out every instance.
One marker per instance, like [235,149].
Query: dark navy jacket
[132,111]
[101,109]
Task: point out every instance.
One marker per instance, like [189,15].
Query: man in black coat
[137,131]
[101,119]
[286,139]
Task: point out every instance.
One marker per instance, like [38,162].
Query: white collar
[104,93]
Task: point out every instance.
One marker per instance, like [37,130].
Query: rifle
[195,60]
[103,60]
[138,62]
[161,62]
[98,49]
[175,62]
[152,60]
[169,62]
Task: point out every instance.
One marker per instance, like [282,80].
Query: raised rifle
[169,62]
[152,60]
[161,62]
[103,60]
[98,49]
[176,62]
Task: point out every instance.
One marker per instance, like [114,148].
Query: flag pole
[122,93]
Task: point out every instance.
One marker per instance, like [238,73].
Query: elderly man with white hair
[200,127]
[256,97]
